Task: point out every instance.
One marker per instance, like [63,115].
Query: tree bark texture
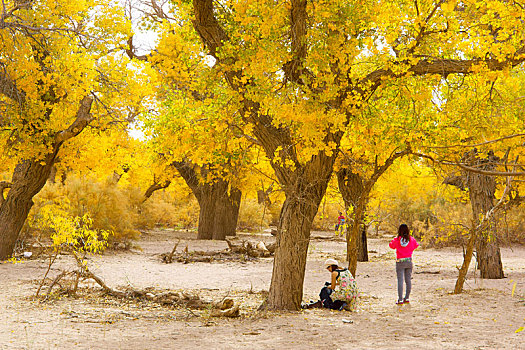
[155,187]
[28,179]
[481,192]
[219,203]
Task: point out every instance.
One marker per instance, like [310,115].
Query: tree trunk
[362,245]
[28,179]
[298,212]
[227,213]
[481,192]
[219,204]
[355,235]
[219,210]
[356,191]
[466,262]
[355,194]
[489,258]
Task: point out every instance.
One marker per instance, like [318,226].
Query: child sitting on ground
[341,293]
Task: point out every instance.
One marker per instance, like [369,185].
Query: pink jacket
[403,251]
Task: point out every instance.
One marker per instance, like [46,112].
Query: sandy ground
[486,316]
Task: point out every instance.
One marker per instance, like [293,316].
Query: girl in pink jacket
[404,244]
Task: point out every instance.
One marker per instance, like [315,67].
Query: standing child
[404,244]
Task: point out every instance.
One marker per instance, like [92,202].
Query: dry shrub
[327,215]
[161,209]
[256,217]
[512,225]
[107,204]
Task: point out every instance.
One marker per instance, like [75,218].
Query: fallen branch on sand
[237,250]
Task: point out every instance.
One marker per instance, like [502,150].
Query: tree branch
[294,69]
[3,186]
[155,187]
[444,67]
[9,89]
[479,144]
[471,169]
[130,51]
[422,32]
[207,26]
[83,118]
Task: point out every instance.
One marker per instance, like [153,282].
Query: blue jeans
[404,272]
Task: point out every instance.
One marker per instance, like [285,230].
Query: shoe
[406,301]
[342,307]
[399,302]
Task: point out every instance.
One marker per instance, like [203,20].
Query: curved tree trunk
[219,204]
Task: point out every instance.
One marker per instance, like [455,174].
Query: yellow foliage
[74,233]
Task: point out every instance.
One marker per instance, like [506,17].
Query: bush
[252,216]
[161,209]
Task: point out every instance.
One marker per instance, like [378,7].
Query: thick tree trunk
[489,258]
[219,210]
[219,204]
[227,213]
[298,212]
[481,192]
[28,179]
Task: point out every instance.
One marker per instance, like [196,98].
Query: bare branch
[130,51]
